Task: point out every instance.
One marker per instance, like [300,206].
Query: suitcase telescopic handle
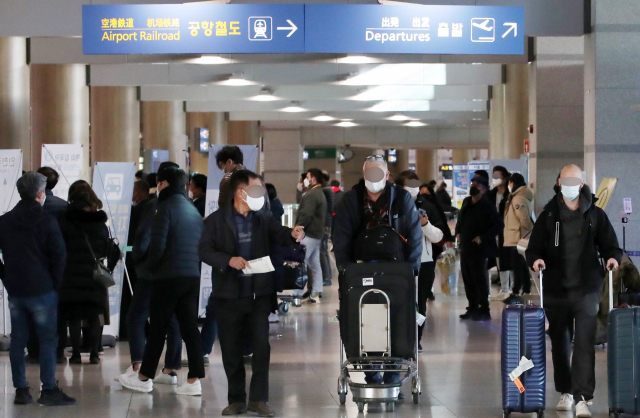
[610,290]
[541,291]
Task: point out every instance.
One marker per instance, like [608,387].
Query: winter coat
[54,205]
[403,217]
[175,234]
[444,199]
[312,213]
[482,220]
[78,286]
[546,243]
[200,204]
[517,217]
[328,195]
[219,245]
[33,250]
[142,239]
[437,217]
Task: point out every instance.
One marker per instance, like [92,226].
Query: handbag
[101,273]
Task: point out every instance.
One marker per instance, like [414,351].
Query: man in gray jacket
[311,216]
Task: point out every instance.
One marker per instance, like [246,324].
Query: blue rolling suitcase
[523,334]
[623,358]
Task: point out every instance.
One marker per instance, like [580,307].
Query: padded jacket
[403,217]
[517,216]
[175,234]
[546,243]
[219,244]
[33,250]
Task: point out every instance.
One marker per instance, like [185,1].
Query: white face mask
[157,193]
[300,187]
[496,182]
[510,189]
[44,200]
[413,191]
[254,203]
[570,192]
[190,193]
[375,187]
[306,183]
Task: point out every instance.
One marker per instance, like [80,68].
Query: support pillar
[556,111]
[460,156]
[14,98]
[612,111]
[516,110]
[283,162]
[496,122]
[59,109]
[243,132]
[163,127]
[426,165]
[115,124]
[217,125]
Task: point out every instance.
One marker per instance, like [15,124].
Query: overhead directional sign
[311,28]
[409,29]
[193,28]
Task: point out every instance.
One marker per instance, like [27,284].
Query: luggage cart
[376,356]
[293,284]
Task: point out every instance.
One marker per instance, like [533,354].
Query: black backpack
[380,243]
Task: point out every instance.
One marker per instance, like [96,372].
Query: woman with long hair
[83,301]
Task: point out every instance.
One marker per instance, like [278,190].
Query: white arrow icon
[293,28]
[513,27]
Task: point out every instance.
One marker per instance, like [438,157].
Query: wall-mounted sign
[320,153]
[312,28]
[526,145]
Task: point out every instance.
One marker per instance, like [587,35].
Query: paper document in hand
[259,265]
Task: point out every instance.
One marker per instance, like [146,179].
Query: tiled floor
[460,369]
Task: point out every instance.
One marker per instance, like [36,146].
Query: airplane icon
[483,29]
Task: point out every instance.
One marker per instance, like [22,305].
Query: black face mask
[474,191]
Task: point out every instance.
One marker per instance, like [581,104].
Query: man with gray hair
[34,256]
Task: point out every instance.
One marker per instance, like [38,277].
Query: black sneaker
[513,299]
[469,314]
[482,315]
[306,295]
[431,297]
[419,348]
[55,397]
[23,396]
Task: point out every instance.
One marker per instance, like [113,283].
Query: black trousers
[522,277]
[576,376]
[425,285]
[235,317]
[473,267]
[168,297]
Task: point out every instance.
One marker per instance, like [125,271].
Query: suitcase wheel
[360,406]
[283,307]
[506,413]
[541,414]
[390,406]
[614,412]
[416,398]
[343,398]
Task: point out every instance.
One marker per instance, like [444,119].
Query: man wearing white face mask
[233,236]
[567,241]
[311,215]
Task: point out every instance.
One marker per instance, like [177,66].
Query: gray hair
[376,160]
[31,184]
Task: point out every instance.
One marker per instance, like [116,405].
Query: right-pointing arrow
[293,28]
[513,27]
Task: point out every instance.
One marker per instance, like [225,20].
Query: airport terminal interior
[444,88]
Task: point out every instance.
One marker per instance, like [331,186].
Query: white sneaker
[500,296]
[582,409]
[129,371]
[166,379]
[273,318]
[132,381]
[190,389]
[566,402]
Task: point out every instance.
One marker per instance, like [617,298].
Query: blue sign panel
[192,28]
[408,29]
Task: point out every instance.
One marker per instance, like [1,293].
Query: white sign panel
[10,172]
[68,161]
[627,205]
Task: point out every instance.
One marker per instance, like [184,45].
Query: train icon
[260,28]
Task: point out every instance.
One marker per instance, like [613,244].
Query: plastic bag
[445,267]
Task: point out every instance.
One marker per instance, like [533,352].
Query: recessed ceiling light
[235,79]
[266,95]
[358,59]
[323,117]
[477,119]
[399,117]
[415,124]
[294,107]
[346,124]
[211,59]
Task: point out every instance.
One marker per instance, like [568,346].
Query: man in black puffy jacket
[174,262]
[34,261]
[565,242]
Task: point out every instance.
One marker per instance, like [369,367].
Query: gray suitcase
[623,358]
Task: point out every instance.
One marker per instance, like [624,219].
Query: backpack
[380,243]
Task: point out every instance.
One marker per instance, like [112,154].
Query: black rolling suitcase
[523,335]
[397,281]
[623,358]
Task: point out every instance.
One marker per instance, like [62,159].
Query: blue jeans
[380,378]
[137,320]
[209,328]
[42,311]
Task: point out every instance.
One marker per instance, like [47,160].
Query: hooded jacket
[33,250]
[517,216]
[546,243]
[403,217]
